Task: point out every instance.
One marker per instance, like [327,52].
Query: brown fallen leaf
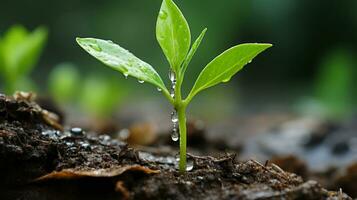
[79,173]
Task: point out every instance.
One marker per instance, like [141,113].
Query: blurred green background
[312,63]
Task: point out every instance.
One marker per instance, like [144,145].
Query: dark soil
[39,159]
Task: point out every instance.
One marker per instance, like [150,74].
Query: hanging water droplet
[250,61]
[172,76]
[172,92]
[95,47]
[140,81]
[189,165]
[163,15]
[174,117]
[126,75]
[174,134]
[226,80]
[159,89]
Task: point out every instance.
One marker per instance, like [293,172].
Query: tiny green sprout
[174,37]
[99,95]
[63,82]
[19,53]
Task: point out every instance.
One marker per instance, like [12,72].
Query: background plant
[174,37]
[19,53]
[96,94]
[63,83]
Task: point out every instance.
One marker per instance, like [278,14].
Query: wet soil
[39,159]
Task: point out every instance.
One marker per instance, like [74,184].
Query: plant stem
[180,107]
[181,111]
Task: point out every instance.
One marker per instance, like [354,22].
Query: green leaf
[224,66]
[31,50]
[11,40]
[192,51]
[173,34]
[22,50]
[121,60]
[1,57]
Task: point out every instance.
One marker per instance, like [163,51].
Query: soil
[42,160]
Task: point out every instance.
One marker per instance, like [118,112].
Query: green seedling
[335,82]
[19,53]
[96,94]
[99,95]
[63,82]
[174,37]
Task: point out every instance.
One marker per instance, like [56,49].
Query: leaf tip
[78,39]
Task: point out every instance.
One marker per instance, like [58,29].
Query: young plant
[174,37]
[19,53]
[63,82]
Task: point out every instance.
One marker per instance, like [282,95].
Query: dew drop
[174,134]
[140,81]
[109,41]
[111,63]
[189,165]
[159,89]
[226,80]
[76,131]
[95,47]
[163,15]
[172,92]
[250,61]
[174,117]
[172,76]
[126,75]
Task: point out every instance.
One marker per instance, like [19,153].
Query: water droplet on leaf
[159,89]
[226,80]
[140,81]
[163,15]
[95,47]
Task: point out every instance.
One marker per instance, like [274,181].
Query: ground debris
[40,161]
